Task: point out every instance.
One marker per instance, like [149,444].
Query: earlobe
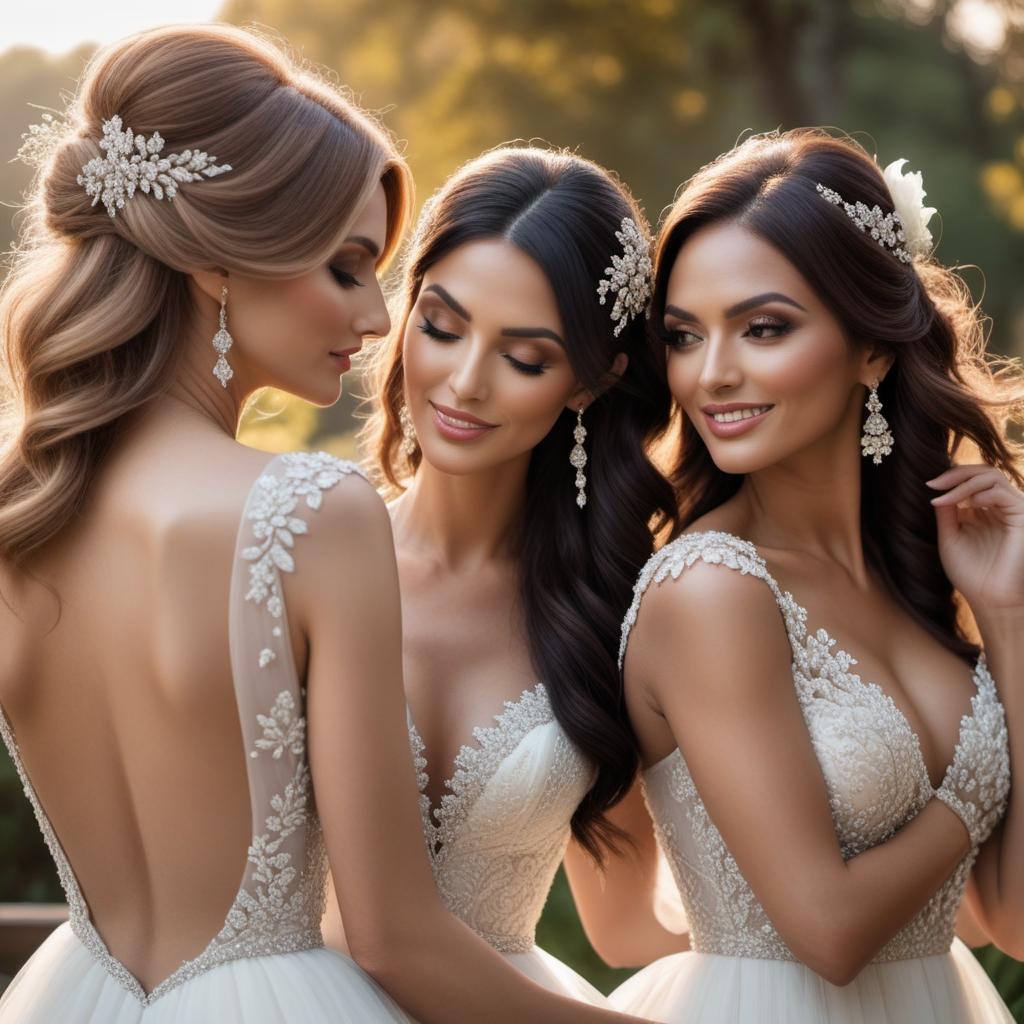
[210,282]
[874,367]
[582,397]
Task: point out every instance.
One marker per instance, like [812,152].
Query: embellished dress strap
[281,899]
[714,547]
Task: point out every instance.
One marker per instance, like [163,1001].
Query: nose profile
[467,378]
[719,369]
[373,320]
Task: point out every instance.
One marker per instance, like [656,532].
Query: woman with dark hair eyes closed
[514,406]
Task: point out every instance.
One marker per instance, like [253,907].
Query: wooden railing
[23,926]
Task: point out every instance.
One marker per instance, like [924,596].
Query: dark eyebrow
[367,243]
[457,307]
[683,314]
[531,332]
[760,300]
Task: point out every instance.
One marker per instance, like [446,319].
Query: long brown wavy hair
[942,389]
[92,313]
[576,567]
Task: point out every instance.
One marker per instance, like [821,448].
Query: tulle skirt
[64,984]
[555,976]
[701,988]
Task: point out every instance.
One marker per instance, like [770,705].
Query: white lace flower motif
[283,729]
[134,162]
[907,191]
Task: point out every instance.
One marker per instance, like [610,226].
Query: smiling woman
[823,822]
[506,362]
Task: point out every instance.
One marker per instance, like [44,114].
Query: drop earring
[578,458]
[409,442]
[877,439]
[222,341]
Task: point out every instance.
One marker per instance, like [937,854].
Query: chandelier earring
[409,441]
[578,458]
[222,341]
[877,439]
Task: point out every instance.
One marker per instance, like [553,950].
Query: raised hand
[980,520]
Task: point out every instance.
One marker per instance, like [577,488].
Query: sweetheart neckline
[786,601]
[532,704]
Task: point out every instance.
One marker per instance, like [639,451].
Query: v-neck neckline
[827,647]
[474,764]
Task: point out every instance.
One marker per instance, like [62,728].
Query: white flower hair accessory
[904,231]
[907,191]
[629,277]
[133,162]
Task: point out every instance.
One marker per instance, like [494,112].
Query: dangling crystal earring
[578,458]
[877,439]
[409,442]
[222,341]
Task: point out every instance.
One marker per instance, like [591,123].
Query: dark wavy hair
[577,568]
[941,391]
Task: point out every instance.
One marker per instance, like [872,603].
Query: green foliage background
[652,89]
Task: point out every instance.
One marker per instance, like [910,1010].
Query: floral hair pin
[904,232]
[629,276]
[134,162]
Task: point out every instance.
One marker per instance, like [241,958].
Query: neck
[196,387]
[810,502]
[463,521]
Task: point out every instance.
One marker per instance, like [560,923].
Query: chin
[462,459]
[323,394]
[740,459]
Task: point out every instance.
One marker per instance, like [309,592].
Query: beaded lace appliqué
[495,843]
[869,755]
[282,895]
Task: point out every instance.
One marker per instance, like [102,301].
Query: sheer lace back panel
[281,897]
[869,756]
[503,825]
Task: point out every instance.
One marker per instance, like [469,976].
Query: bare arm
[996,895]
[616,901]
[398,929]
[711,653]
[980,521]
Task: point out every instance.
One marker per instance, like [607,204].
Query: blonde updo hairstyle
[94,308]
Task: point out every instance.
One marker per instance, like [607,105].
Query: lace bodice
[503,825]
[869,756]
[281,898]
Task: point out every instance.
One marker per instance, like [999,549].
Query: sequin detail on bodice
[870,758]
[282,894]
[503,825]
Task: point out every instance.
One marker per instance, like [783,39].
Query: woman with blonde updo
[196,640]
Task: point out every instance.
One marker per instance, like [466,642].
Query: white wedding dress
[502,829]
[267,964]
[740,971]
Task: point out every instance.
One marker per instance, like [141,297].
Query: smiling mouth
[740,414]
[451,418]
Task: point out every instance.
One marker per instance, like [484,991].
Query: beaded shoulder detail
[281,897]
[711,546]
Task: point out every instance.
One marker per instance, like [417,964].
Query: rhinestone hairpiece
[42,139]
[629,275]
[134,162]
[885,228]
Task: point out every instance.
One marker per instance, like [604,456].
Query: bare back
[115,675]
